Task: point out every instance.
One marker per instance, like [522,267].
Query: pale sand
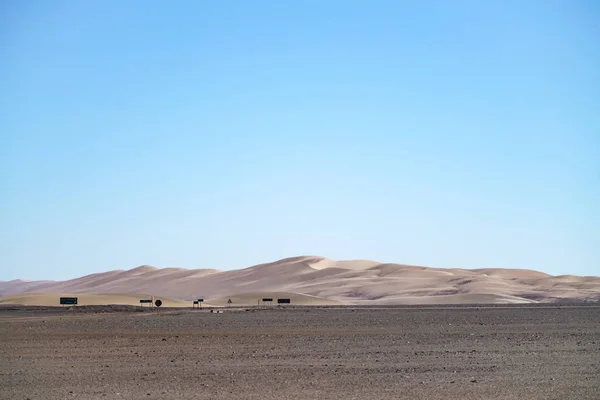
[87,299]
[255,299]
[317,281]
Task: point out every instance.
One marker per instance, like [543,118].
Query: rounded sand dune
[317,281]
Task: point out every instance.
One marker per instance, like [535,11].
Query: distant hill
[325,281]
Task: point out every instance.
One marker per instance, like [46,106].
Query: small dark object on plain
[158,303]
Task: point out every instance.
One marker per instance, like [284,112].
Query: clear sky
[223,134]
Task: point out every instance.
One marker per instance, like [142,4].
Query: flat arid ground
[524,352]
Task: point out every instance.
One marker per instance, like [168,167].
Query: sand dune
[86,299]
[323,281]
[255,298]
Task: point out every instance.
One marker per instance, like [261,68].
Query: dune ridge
[325,281]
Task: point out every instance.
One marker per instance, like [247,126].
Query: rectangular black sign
[284,301]
[267,299]
[68,300]
[145,301]
[195,301]
[200,300]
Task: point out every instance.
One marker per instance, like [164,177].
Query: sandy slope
[255,299]
[92,299]
[328,281]
[86,299]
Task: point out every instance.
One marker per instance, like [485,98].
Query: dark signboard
[68,300]
[158,303]
[195,302]
[200,300]
[146,301]
[267,299]
[284,301]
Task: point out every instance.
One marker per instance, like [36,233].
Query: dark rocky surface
[308,353]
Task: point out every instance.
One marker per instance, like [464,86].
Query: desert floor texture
[301,353]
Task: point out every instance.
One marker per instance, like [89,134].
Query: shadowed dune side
[21,286]
[472,298]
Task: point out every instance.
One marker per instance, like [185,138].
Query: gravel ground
[313,353]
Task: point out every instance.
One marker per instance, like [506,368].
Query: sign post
[72,301]
[145,301]
[267,300]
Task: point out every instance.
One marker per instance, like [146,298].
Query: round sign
[158,303]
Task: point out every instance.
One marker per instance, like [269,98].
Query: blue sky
[224,134]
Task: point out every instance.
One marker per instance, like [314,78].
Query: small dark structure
[146,301]
[284,301]
[158,303]
[68,300]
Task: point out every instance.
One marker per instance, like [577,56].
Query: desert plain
[335,352]
[354,330]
